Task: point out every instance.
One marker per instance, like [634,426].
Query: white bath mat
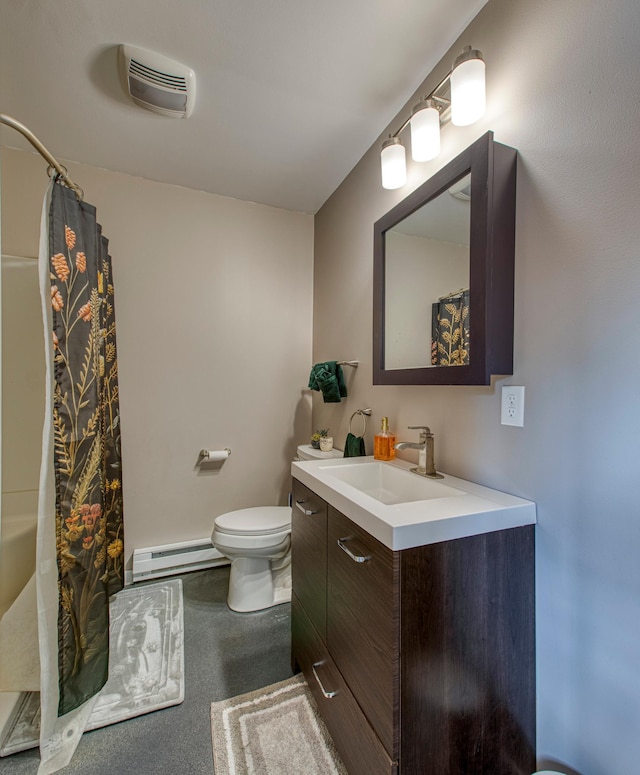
[272,730]
[146,664]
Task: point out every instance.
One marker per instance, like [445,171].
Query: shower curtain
[450,330]
[80,531]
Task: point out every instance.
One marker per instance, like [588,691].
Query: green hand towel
[329,379]
[354,446]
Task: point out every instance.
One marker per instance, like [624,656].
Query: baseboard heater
[156,561]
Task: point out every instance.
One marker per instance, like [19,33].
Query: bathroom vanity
[413,618]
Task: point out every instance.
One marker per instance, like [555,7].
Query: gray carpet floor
[226,654]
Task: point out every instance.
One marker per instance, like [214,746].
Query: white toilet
[257,540]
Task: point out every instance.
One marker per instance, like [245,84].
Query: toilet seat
[255,521]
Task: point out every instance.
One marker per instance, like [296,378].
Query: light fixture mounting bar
[403,127]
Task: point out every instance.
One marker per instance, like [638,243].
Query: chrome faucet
[426,464]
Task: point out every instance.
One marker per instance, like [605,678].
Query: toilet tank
[307,452]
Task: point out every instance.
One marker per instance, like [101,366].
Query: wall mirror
[443,275]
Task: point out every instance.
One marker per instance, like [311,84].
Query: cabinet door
[355,740]
[362,622]
[309,554]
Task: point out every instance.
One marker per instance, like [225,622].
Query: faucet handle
[424,428]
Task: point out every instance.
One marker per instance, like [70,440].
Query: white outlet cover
[512,410]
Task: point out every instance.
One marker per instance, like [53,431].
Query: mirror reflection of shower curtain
[80,529]
[450,330]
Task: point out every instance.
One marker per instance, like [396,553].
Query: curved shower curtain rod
[53,162]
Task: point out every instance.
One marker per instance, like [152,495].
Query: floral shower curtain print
[86,453]
[450,330]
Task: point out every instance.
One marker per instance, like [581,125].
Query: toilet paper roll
[213,455]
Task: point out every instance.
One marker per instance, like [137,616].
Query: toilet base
[254,586]
[282,583]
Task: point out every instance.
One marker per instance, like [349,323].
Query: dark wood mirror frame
[491,267]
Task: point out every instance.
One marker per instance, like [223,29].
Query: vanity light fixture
[425,131]
[467,88]
[459,97]
[392,160]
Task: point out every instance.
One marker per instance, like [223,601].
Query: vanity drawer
[309,550]
[359,747]
[362,622]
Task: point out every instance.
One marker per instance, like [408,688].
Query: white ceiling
[290,93]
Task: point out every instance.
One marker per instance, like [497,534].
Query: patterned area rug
[272,731]
[146,664]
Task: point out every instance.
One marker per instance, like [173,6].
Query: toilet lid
[259,520]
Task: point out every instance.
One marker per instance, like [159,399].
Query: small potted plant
[317,435]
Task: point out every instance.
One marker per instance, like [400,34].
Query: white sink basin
[402,509]
[390,484]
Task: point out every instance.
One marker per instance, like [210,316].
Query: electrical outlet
[512,412]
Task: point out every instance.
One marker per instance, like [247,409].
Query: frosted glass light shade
[425,132]
[393,163]
[468,100]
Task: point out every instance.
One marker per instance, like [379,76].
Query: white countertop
[472,510]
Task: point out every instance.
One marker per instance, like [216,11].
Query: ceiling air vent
[158,83]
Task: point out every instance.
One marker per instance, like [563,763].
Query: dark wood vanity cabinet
[421,661]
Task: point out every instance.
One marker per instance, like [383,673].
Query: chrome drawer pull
[325,693]
[306,512]
[354,557]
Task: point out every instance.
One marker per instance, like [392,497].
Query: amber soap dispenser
[384,442]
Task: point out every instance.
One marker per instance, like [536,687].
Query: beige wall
[22,377]
[562,85]
[213,308]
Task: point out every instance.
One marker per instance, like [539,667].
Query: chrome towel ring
[364,413]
